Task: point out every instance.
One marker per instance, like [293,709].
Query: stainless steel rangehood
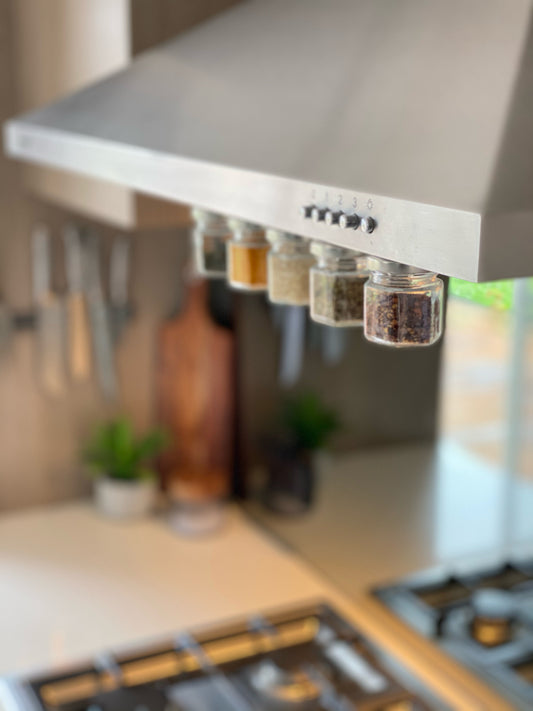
[417,114]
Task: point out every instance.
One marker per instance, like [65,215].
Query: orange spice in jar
[247,253]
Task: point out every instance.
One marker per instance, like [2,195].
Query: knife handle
[79,342]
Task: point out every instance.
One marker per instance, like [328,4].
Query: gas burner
[493,617]
[483,618]
[287,688]
[305,659]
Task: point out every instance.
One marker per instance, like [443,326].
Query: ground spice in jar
[403,307]
[337,286]
[289,261]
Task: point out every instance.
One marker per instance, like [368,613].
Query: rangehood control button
[306,211]
[346,221]
[332,217]
[318,214]
[368,224]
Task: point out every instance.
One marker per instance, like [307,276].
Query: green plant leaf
[115,451]
[150,445]
[309,421]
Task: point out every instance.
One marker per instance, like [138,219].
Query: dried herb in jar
[337,286]
[338,298]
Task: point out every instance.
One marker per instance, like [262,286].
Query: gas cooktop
[304,659]
[483,618]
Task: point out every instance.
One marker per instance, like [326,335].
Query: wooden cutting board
[195,384]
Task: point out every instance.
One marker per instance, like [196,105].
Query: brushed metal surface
[417,110]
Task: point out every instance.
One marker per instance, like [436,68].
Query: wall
[381,396]
[62,46]
[40,437]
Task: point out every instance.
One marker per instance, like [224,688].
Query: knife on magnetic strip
[50,313]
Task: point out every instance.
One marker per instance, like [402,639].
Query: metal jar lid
[332,251]
[209,220]
[387,266]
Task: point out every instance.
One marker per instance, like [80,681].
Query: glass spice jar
[337,285]
[211,232]
[403,305]
[247,252]
[289,261]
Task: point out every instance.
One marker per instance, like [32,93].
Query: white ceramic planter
[124,499]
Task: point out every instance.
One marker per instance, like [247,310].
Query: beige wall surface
[40,437]
[61,46]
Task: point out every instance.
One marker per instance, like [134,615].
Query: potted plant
[305,425]
[124,483]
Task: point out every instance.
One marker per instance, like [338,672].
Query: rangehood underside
[418,113]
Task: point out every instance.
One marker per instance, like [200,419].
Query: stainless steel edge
[439,239]
[15,696]
[507,245]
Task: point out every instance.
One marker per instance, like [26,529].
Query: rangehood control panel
[338,218]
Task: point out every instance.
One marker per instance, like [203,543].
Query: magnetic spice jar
[247,252]
[337,285]
[289,261]
[211,232]
[403,305]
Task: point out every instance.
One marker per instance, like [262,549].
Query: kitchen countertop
[73,584]
[425,506]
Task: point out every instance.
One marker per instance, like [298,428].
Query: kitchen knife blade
[334,344]
[292,345]
[79,344]
[119,267]
[99,320]
[50,316]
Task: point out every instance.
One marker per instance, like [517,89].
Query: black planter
[290,482]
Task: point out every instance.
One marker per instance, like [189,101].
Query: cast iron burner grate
[305,659]
[484,618]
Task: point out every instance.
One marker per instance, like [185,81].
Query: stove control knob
[318,214]
[493,617]
[368,224]
[306,211]
[347,221]
[332,217]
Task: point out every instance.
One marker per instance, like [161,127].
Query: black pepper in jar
[403,305]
